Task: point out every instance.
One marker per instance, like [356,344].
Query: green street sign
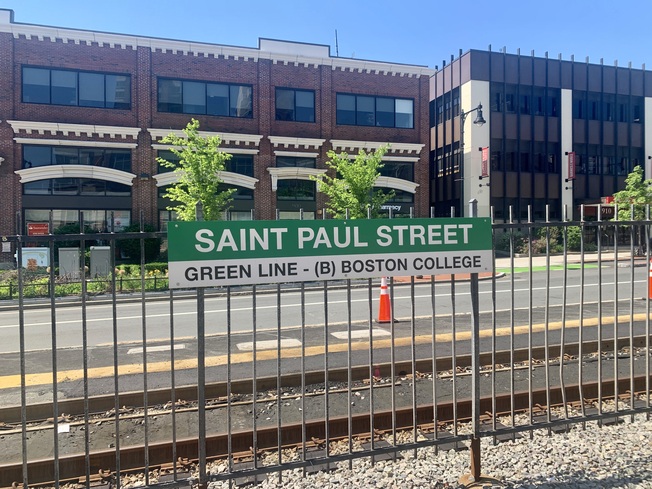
[214,253]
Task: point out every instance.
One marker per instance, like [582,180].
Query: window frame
[106,104]
[294,104]
[106,161]
[229,106]
[357,113]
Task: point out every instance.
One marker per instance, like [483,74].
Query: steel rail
[73,467]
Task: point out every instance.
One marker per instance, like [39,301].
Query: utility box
[35,257]
[100,261]
[69,263]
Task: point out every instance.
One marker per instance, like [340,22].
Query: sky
[419,32]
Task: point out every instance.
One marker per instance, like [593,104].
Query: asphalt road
[271,323]
[312,307]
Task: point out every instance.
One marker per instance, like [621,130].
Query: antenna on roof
[337,47]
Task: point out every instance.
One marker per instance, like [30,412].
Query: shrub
[131,246]
[502,241]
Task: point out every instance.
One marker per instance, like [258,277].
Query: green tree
[200,161]
[636,196]
[352,187]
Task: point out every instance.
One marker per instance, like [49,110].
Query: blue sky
[422,32]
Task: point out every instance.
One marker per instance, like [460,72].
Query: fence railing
[260,380]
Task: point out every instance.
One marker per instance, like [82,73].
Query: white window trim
[225,137]
[233,151]
[31,127]
[292,173]
[75,171]
[296,154]
[397,183]
[298,143]
[69,142]
[231,178]
[350,145]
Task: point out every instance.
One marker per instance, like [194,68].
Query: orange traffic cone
[385,308]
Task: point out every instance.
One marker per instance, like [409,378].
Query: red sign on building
[571,165]
[38,228]
[485,162]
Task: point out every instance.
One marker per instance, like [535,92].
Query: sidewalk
[537,261]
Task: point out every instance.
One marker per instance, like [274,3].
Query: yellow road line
[13,381]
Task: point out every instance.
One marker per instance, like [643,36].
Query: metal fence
[233,384]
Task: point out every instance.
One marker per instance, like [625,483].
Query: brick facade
[146,60]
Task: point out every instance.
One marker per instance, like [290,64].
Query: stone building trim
[168,178]
[75,142]
[296,143]
[292,173]
[68,130]
[226,137]
[75,171]
[397,183]
[350,145]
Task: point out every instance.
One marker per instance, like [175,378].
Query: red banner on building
[571,165]
[38,228]
[485,162]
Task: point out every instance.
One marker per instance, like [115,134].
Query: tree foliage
[200,161]
[352,187]
[637,192]
[131,246]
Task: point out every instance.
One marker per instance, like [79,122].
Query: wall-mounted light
[144,176]
[1,160]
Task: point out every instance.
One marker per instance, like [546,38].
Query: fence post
[201,374]
[475,368]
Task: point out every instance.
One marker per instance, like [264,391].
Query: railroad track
[164,458]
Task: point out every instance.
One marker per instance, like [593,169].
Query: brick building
[82,114]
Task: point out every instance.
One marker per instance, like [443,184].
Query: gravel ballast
[612,456]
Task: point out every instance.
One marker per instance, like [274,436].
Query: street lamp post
[478,121]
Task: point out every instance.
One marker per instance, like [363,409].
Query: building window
[400,196]
[94,220]
[193,97]
[525,104]
[553,157]
[496,97]
[366,110]
[295,189]
[439,117]
[117,159]
[295,105]
[594,106]
[77,88]
[397,169]
[241,193]
[578,105]
[511,98]
[637,111]
[496,160]
[242,164]
[456,102]
[552,103]
[510,155]
[76,186]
